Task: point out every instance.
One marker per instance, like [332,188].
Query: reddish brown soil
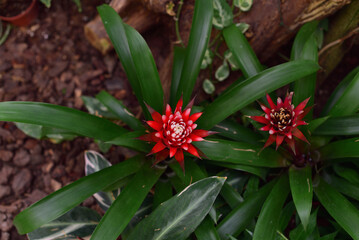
[14,7]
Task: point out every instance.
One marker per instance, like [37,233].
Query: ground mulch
[51,61]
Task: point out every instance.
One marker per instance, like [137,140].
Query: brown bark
[131,11]
[272,22]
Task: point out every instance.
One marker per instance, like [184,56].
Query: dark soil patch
[51,61]
[12,8]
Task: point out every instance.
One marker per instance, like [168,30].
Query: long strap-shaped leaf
[179,55]
[348,103]
[254,88]
[268,219]
[348,125]
[305,47]
[301,39]
[242,51]
[338,207]
[131,140]
[237,132]
[198,40]
[343,186]
[178,217]
[125,206]
[259,171]
[237,220]
[61,201]
[302,191]
[206,230]
[348,148]
[136,59]
[338,92]
[117,108]
[240,153]
[50,115]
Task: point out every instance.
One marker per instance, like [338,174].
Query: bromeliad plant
[323,160]
[126,190]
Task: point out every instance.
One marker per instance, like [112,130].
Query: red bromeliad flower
[282,120]
[174,132]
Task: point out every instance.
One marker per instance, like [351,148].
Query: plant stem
[180,4]
[6,34]
[215,39]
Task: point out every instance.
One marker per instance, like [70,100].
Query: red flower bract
[282,120]
[174,132]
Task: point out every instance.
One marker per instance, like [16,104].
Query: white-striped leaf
[78,222]
[94,162]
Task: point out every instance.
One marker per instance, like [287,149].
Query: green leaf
[330,236]
[61,201]
[95,162]
[142,212]
[237,132]
[285,216]
[179,55]
[178,217]
[222,14]
[302,233]
[47,3]
[347,125]
[242,51]
[126,205]
[305,47]
[268,219]
[39,132]
[231,196]
[222,71]
[302,38]
[314,124]
[342,185]
[206,230]
[252,89]
[207,59]
[119,110]
[242,26]
[228,55]
[300,180]
[208,86]
[305,88]
[104,147]
[238,219]
[136,59]
[131,140]
[252,186]
[54,116]
[240,153]
[346,215]
[78,222]
[258,171]
[197,45]
[95,107]
[348,103]
[347,173]
[244,5]
[348,148]
[339,91]
[192,173]
[163,192]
